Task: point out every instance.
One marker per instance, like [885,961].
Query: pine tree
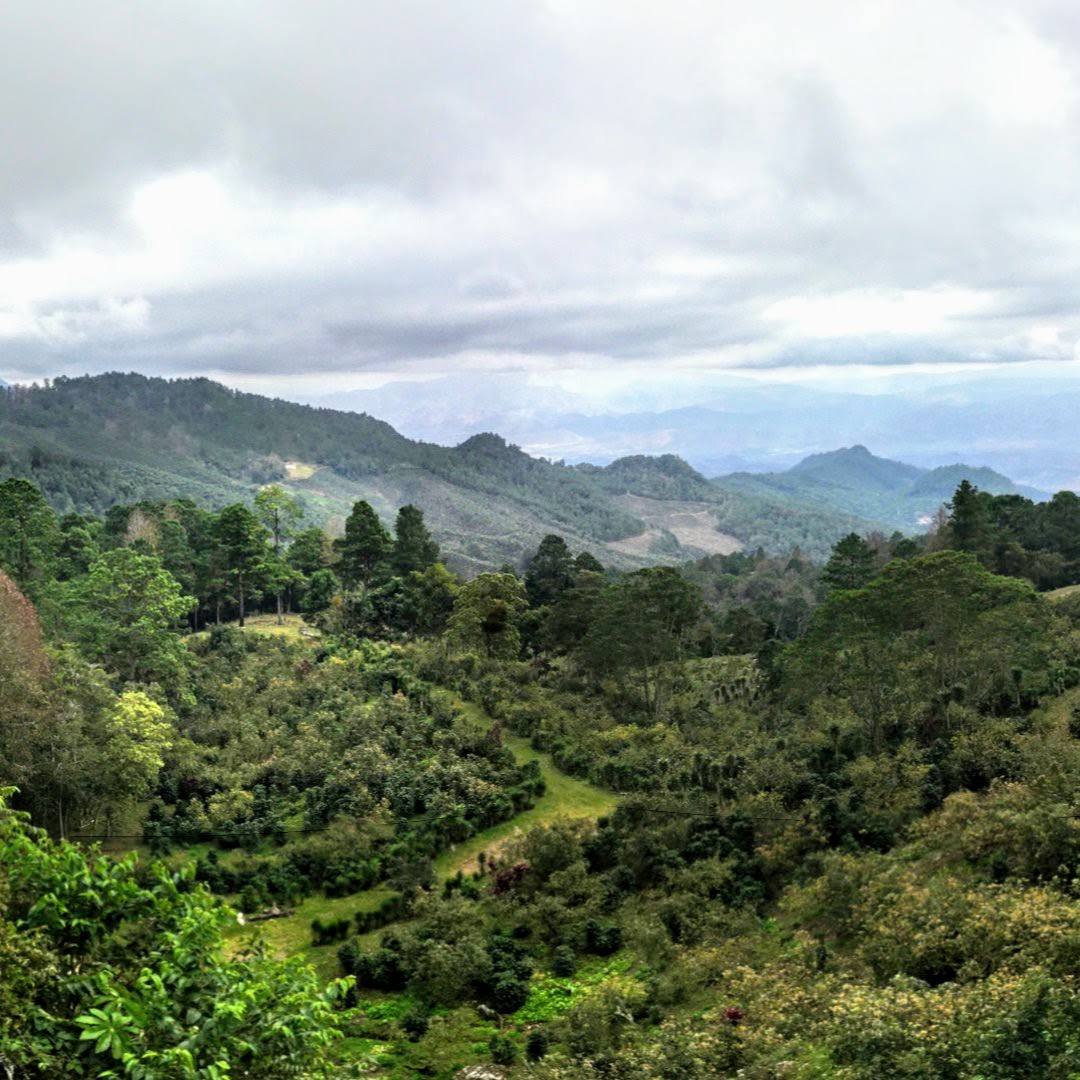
[851,565]
[551,571]
[969,520]
[365,547]
[414,547]
[243,544]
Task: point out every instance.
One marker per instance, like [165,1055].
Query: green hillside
[755,515]
[887,494]
[95,441]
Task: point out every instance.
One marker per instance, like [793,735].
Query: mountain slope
[93,441]
[674,499]
[852,480]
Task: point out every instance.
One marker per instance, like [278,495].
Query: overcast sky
[295,195]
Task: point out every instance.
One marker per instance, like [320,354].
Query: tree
[969,520]
[77,546]
[365,547]
[279,512]
[433,592]
[567,621]
[851,565]
[27,530]
[551,571]
[927,635]
[486,613]
[640,624]
[414,547]
[310,551]
[123,614]
[136,736]
[243,544]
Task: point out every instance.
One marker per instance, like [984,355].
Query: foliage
[486,613]
[120,974]
[122,613]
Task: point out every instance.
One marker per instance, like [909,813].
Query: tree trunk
[280,608]
[241,592]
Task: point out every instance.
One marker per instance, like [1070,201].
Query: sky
[303,197]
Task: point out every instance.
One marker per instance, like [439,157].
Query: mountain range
[1023,427]
[91,442]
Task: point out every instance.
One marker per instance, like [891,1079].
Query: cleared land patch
[691,523]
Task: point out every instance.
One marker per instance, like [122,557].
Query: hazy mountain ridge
[489,501]
[1021,427]
[891,493]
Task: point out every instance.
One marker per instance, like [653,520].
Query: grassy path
[564,797]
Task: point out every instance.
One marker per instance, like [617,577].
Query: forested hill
[852,480]
[91,442]
[95,441]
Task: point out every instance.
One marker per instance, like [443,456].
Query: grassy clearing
[551,996]
[300,470]
[292,627]
[565,797]
[1060,594]
[292,935]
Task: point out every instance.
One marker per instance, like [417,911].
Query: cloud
[266,187]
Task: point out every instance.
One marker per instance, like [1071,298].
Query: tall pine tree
[365,548]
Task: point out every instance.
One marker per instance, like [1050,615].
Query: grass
[292,935]
[564,797]
[551,995]
[300,470]
[1060,594]
[292,627]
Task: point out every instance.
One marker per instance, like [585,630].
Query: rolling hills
[94,441]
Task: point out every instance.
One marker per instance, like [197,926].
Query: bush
[503,1051]
[415,1024]
[563,961]
[602,939]
[326,933]
[509,994]
[536,1045]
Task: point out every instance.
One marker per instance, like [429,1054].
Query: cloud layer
[266,190]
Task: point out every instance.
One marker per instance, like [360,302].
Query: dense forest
[276,804]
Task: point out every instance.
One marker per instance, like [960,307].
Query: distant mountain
[1020,427]
[448,410]
[95,441]
[892,494]
[676,501]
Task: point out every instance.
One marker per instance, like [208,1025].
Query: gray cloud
[263,186]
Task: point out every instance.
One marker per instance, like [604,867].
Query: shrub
[503,1051]
[601,938]
[563,961]
[509,994]
[415,1024]
[536,1044]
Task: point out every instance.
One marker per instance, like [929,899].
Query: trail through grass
[564,797]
